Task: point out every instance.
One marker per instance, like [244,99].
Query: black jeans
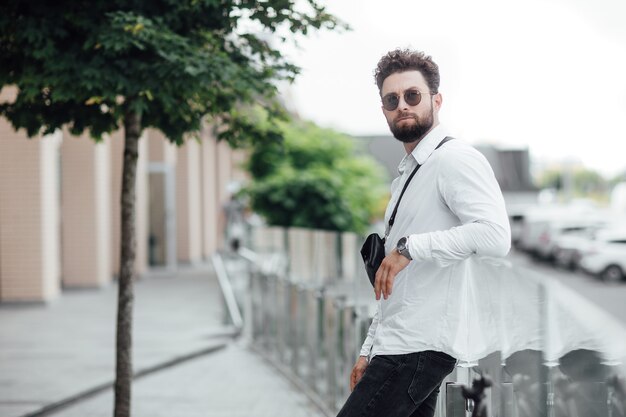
[399,386]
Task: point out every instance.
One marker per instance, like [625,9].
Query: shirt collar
[424,148]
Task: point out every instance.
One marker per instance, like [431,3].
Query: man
[452,209]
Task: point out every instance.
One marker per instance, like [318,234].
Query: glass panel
[546,350]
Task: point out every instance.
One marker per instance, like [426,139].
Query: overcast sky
[544,74]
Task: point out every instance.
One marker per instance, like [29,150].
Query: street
[609,297]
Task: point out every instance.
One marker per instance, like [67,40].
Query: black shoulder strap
[392,219]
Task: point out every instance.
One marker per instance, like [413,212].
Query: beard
[413,132]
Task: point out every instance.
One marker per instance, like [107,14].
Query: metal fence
[309,306]
[305,315]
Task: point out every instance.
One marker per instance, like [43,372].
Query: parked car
[569,247]
[517,211]
[535,221]
[555,234]
[605,256]
[543,224]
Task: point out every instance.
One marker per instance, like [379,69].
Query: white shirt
[452,209]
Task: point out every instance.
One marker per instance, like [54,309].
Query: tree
[587,181]
[579,182]
[551,179]
[314,179]
[98,66]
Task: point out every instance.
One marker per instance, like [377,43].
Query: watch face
[402,248]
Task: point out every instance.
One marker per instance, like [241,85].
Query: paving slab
[49,352]
[232,382]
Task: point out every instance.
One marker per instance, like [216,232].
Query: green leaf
[316,179]
[183,61]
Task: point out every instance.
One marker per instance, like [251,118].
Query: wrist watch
[403,248]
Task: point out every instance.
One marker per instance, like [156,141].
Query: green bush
[314,178]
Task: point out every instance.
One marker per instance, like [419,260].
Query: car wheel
[612,273]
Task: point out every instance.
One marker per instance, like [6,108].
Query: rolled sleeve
[419,246]
[366,348]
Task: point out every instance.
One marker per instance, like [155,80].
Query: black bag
[373,250]
[373,253]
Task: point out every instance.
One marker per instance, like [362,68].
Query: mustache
[402,115]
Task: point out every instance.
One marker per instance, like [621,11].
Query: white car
[568,248]
[606,257]
[544,223]
[535,221]
[560,234]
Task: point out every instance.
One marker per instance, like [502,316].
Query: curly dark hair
[400,60]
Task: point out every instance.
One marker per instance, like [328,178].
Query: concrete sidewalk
[49,353]
[231,382]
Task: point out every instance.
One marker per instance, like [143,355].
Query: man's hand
[389,268]
[357,371]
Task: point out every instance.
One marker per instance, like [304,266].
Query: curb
[56,406]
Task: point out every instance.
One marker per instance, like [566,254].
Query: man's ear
[438,99]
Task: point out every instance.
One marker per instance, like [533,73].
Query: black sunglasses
[412,97]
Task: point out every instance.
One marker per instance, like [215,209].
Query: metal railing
[312,319]
[309,329]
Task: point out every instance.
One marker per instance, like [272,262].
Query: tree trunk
[123,360]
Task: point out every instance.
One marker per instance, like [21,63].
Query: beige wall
[35,253]
[164,154]
[29,216]
[188,193]
[86,211]
[238,159]
[141,207]
[159,148]
[223,175]
[210,209]
[224,172]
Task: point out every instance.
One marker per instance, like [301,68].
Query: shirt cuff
[419,247]
[366,349]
